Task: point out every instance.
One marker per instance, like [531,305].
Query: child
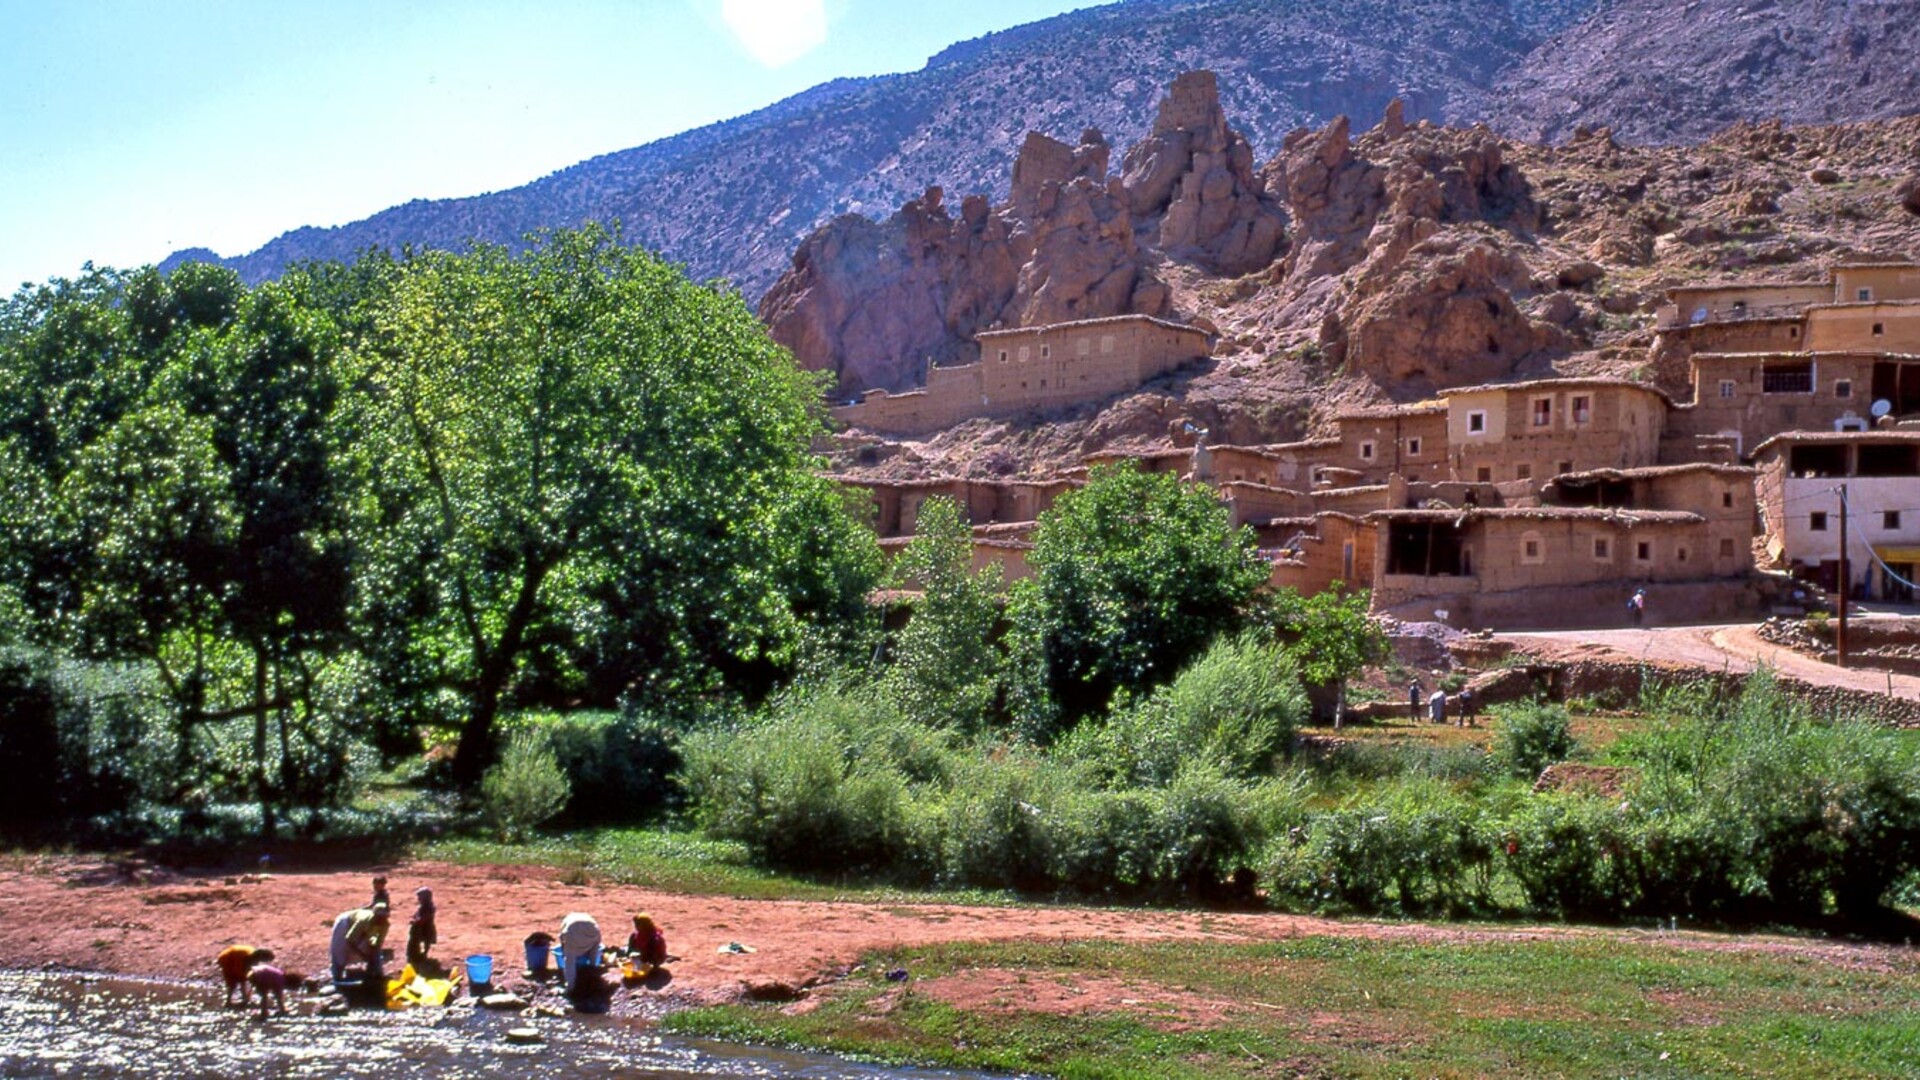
[647,945]
[234,963]
[422,934]
[271,982]
[380,894]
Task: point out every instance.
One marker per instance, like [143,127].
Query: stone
[503,1002]
[1909,194]
[1579,275]
[1824,175]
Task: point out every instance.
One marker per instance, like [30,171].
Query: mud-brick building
[1529,431]
[1801,475]
[1746,398]
[896,503]
[1034,369]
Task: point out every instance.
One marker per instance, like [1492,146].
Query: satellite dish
[1881,408]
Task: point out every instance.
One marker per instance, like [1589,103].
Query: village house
[1801,478]
[1528,431]
[1034,368]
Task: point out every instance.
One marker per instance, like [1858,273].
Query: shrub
[618,768]
[994,832]
[1413,847]
[1236,708]
[1569,855]
[800,784]
[526,786]
[1528,737]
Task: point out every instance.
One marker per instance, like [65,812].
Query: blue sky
[131,129]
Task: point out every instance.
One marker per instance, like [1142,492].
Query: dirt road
[1722,648]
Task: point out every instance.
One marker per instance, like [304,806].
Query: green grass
[1359,1007]
[678,858]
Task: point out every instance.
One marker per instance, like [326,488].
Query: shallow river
[65,1025]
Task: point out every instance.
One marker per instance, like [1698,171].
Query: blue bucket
[537,957]
[480,969]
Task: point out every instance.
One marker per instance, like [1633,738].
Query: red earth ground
[86,914]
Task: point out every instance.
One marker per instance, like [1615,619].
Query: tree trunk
[262,789]
[475,751]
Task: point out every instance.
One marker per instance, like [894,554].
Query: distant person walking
[1637,607]
[1463,705]
[1437,707]
[1416,698]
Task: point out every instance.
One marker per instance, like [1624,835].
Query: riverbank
[992,972]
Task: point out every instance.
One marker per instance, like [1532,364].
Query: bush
[1528,737]
[526,786]
[1416,847]
[619,768]
[1236,708]
[803,785]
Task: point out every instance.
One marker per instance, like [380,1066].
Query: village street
[1728,647]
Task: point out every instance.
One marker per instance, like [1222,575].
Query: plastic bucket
[537,957]
[479,969]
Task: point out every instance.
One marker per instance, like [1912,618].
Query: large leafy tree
[576,456]
[1133,576]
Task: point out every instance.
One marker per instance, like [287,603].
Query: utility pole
[1840,637]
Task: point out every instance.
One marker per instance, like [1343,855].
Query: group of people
[580,945]
[360,935]
[1435,704]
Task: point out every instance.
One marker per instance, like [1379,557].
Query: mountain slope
[734,199]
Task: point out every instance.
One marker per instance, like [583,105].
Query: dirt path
[81,914]
[1732,647]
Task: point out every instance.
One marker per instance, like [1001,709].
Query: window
[1680,554]
[1542,411]
[1726,499]
[1726,388]
[1643,551]
[1602,549]
[1843,388]
[1817,521]
[1043,384]
[1477,422]
[1531,549]
[1582,409]
[1863,295]
[1889,519]
[1726,547]
[1413,446]
[1003,356]
[1366,450]
[1484,474]
[1793,333]
[1106,344]
[1565,467]
[1523,471]
[1046,351]
[1083,347]
[1787,379]
[1024,352]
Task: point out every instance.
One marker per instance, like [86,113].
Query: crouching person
[271,982]
[579,946]
[357,936]
[234,963]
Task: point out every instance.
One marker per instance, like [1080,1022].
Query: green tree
[1133,576]
[577,456]
[1329,636]
[526,786]
[945,666]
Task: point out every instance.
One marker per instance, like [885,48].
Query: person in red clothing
[647,945]
[234,963]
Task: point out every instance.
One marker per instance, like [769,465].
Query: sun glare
[776,32]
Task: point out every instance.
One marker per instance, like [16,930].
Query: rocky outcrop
[1191,185]
[876,303]
[1408,252]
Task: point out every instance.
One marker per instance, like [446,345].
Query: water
[75,1027]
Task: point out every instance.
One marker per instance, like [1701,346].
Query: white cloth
[579,940]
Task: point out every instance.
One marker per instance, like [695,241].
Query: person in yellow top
[357,935]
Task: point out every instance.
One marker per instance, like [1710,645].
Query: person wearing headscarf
[647,944]
[422,932]
[579,946]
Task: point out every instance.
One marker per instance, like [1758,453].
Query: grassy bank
[1361,1007]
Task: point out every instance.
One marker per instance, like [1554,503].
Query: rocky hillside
[1349,268]
[735,198]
